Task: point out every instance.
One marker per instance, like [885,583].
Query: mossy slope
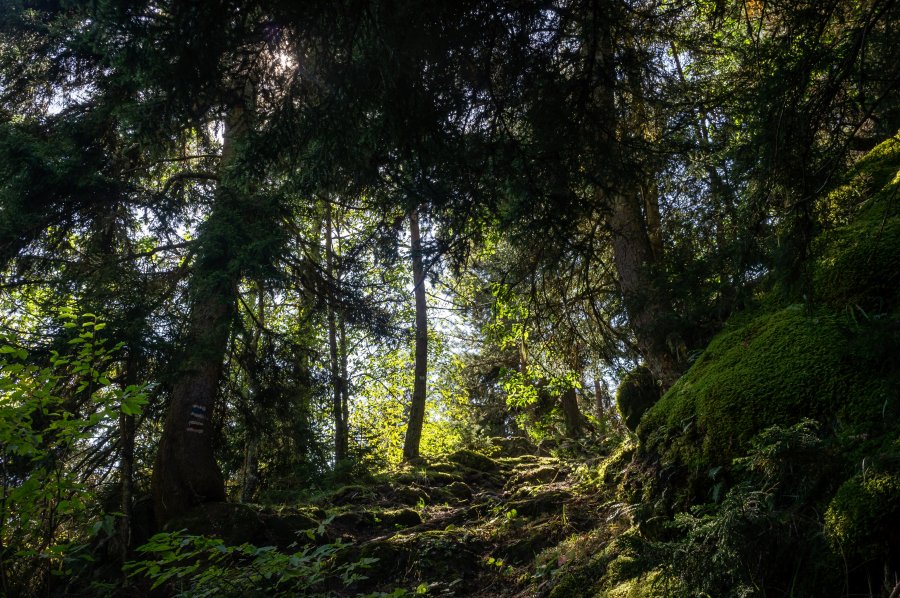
[834,359]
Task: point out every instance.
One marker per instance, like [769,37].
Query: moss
[858,261]
[443,467]
[350,494]
[438,478]
[647,585]
[637,392]
[401,517]
[409,495]
[580,581]
[577,564]
[863,519]
[473,460]
[859,264]
[431,556]
[542,474]
[872,177]
[459,490]
[522,461]
[612,467]
[514,446]
[776,369]
[540,504]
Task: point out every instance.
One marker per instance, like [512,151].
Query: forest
[479,298]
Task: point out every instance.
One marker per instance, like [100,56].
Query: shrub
[197,566]
[50,417]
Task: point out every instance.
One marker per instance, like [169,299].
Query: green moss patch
[858,264]
[777,369]
[863,519]
[473,460]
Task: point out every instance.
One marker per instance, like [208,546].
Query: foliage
[766,527]
[52,418]
[189,565]
[381,411]
[601,184]
[863,517]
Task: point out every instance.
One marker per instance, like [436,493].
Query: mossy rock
[874,176]
[444,467]
[424,477]
[459,490]
[378,518]
[436,555]
[523,461]
[858,265]
[537,476]
[645,585]
[409,495]
[583,561]
[352,494]
[513,446]
[527,542]
[863,520]
[637,392]
[858,256]
[581,579]
[776,368]
[613,467]
[401,517]
[439,478]
[474,460]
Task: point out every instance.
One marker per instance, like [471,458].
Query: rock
[540,504]
[473,460]
[513,446]
[409,495]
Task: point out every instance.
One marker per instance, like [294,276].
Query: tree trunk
[651,316]
[126,463]
[573,418]
[628,195]
[186,473]
[345,384]
[417,405]
[337,381]
[250,469]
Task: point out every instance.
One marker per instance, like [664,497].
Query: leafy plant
[735,547]
[197,566]
[50,418]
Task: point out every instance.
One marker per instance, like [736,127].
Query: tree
[417,404]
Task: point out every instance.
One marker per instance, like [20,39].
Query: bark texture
[649,311]
[250,468]
[574,419]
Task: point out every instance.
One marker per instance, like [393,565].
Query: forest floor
[467,525]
